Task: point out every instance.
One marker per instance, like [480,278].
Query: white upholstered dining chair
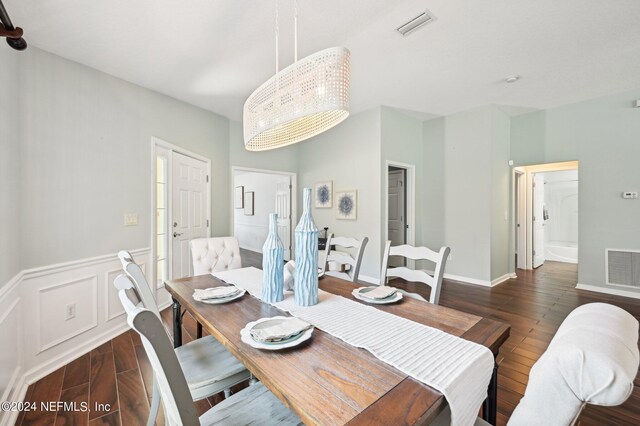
[252,406]
[592,359]
[215,254]
[344,257]
[416,275]
[208,367]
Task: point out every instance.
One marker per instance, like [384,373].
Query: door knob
[175,234]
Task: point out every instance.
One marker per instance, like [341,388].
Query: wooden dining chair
[592,359]
[344,257]
[251,406]
[416,275]
[215,254]
[208,366]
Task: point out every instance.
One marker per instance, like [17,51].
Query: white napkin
[282,331]
[215,292]
[380,292]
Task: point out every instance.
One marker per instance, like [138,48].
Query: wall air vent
[415,23]
[623,268]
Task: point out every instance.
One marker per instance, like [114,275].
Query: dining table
[326,381]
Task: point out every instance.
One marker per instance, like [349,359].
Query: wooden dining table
[326,381]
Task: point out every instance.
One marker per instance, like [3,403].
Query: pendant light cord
[295,30]
[277,37]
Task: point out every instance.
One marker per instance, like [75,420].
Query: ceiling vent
[415,23]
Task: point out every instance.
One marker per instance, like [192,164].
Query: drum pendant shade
[305,99]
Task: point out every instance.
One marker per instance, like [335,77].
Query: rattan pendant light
[304,99]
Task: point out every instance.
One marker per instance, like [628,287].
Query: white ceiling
[214,53]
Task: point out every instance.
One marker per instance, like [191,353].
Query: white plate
[358,294]
[245,335]
[221,300]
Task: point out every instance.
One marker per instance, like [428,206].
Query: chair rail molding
[69,308]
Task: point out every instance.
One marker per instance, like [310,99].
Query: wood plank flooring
[535,304]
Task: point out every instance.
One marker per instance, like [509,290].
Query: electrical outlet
[70,311]
[627,195]
[130,219]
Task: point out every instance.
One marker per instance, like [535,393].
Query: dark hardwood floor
[535,304]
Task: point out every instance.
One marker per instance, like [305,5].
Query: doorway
[399,200]
[397,211]
[256,194]
[546,214]
[181,209]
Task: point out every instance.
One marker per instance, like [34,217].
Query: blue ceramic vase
[306,251]
[272,264]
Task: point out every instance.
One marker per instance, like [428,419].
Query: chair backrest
[176,397]
[416,253]
[143,290]
[344,257]
[592,359]
[215,254]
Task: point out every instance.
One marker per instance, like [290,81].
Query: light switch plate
[130,219]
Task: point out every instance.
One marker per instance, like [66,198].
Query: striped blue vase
[306,251]
[272,264]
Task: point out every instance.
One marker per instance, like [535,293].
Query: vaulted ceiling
[214,53]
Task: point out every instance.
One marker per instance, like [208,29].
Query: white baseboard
[503,278]
[608,290]
[40,371]
[467,280]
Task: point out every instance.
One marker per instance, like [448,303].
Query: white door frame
[294,196]
[410,201]
[520,206]
[158,145]
[529,172]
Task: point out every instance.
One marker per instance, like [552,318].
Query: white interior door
[538,220]
[189,210]
[283,209]
[396,217]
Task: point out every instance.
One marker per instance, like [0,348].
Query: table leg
[490,406]
[198,330]
[177,324]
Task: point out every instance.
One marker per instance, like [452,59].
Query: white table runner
[459,369]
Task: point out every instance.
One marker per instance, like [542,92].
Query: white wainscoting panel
[80,294]
[46,292]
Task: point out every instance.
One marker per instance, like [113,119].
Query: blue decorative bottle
[306,251]
[272,264]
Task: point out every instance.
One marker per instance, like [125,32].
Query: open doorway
[256,194]
[546,214]
[400,205]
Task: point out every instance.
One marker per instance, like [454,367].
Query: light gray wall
[467,193]
[501,262]
[10,218]
[527,138]
[402,141]
[349,155]
[433,134]
[86,147]
[604,135]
